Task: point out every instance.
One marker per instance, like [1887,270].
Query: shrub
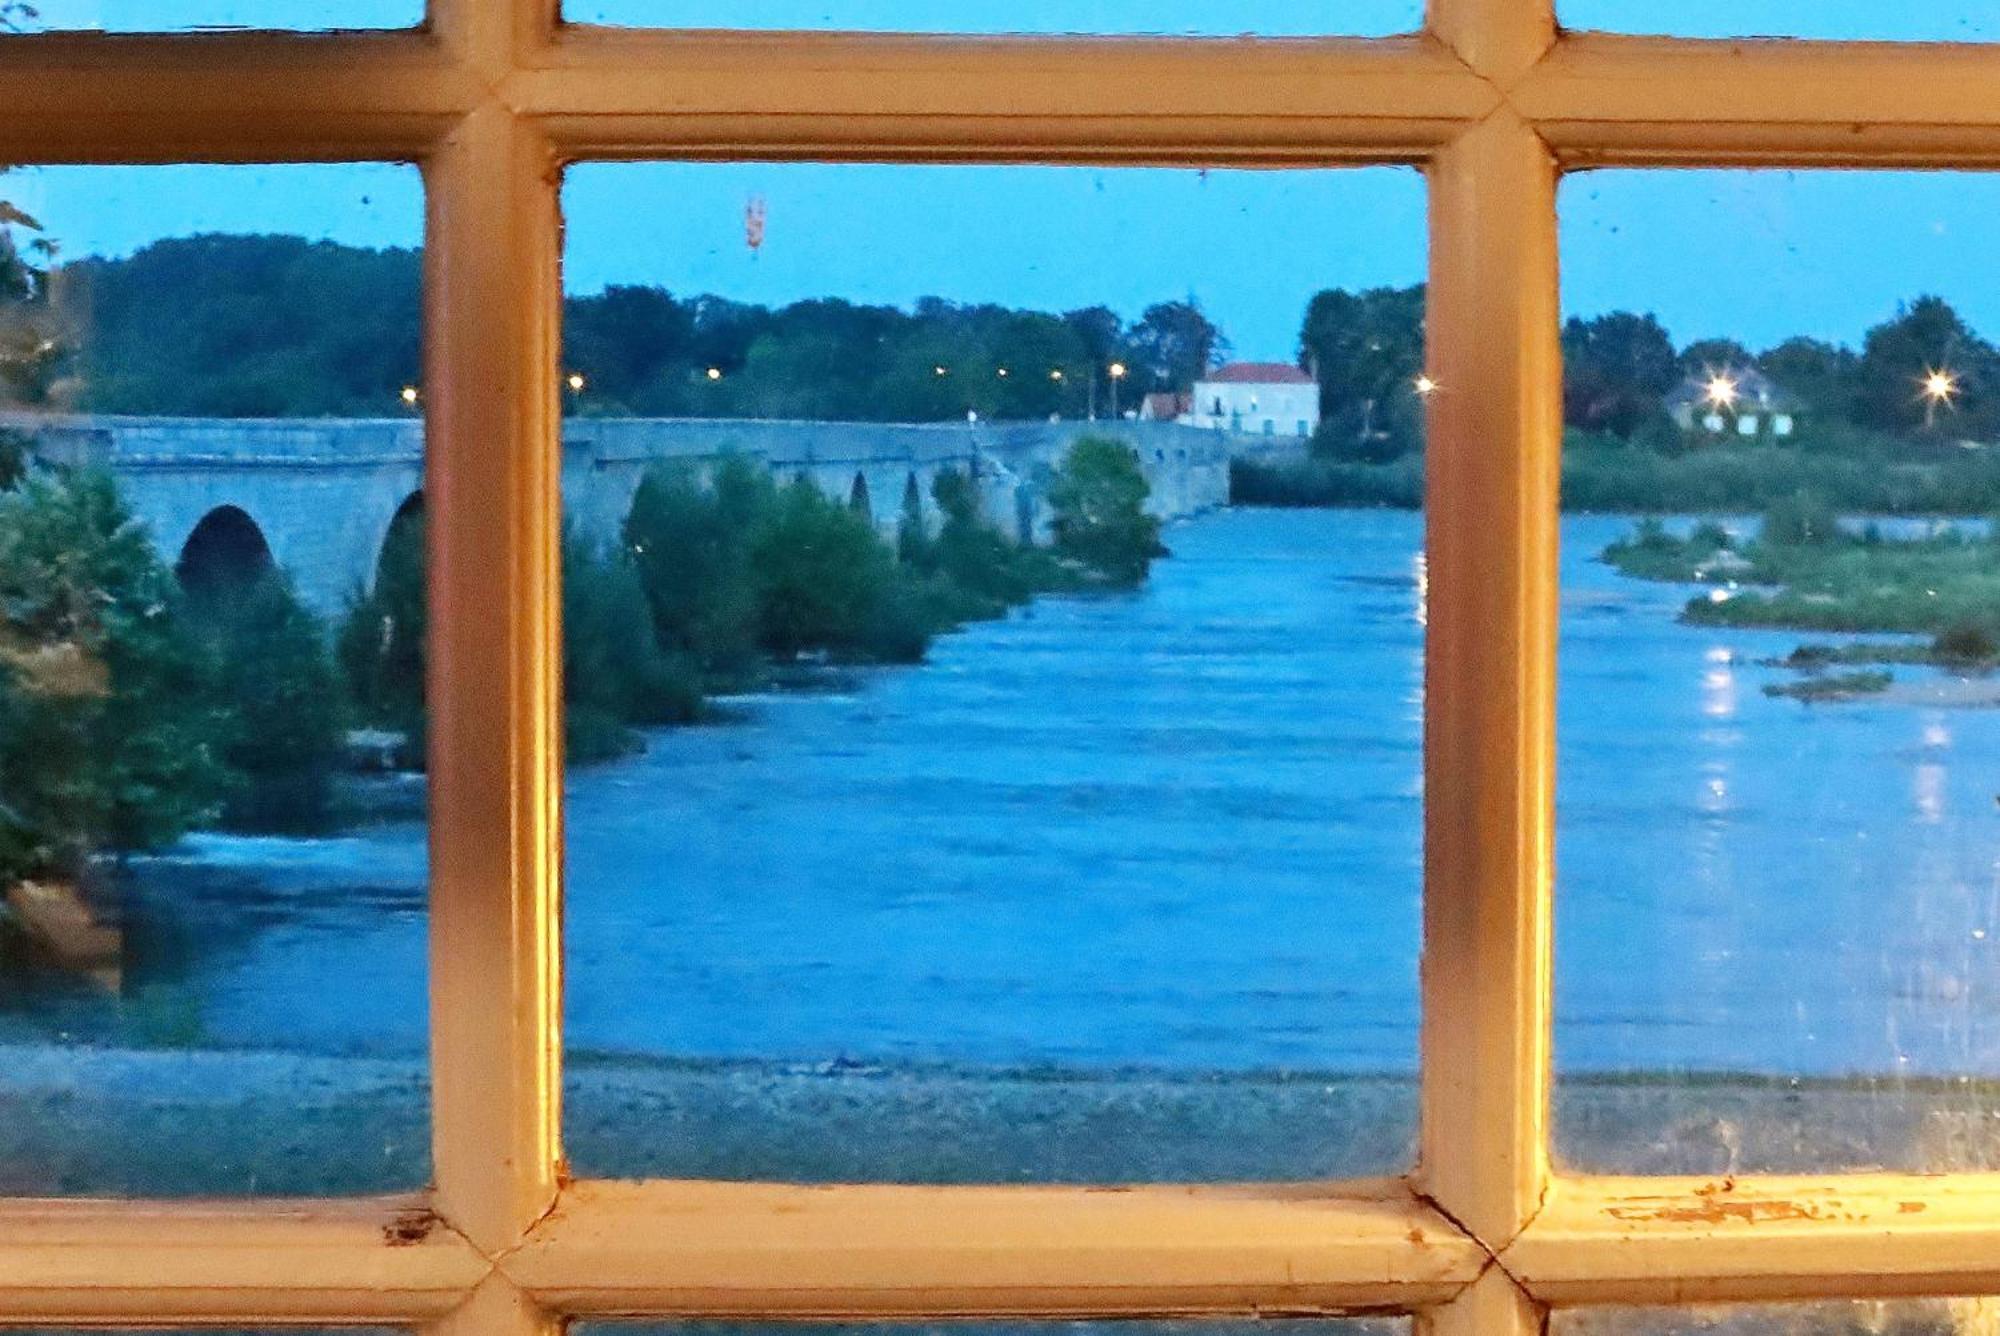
[1800,520]
[380,647]
[1966,642]
[1099,498]
[689,545]
[279,693]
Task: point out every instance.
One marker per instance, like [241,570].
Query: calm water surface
[1181,829]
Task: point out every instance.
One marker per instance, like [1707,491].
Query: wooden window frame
[492,97]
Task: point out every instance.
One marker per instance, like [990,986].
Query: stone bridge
[319,496]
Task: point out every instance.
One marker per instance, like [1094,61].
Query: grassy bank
[1600,474]
[1806,570]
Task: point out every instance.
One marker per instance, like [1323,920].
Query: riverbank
[85,1121]
[1599,475]
[1810,569]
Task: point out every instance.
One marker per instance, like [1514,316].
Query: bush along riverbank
[1852,471]
[1808,570]
[726,582]
[136,706]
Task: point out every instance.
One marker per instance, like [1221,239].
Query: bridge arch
[402,545]
[226,551]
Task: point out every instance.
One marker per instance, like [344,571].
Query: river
[1177,830]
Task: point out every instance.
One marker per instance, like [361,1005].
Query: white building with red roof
[1256,398]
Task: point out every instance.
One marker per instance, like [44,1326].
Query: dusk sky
[1756,256]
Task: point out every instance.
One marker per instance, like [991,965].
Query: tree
[1099,498]
[690,546]
[381,646]
[1822,375]
[821,576]
[108,740]
[1927,336]
[1616,370]
[614,674]
[278,695]
[1176,344]
[1704,356]
[1367,349]
[623,339]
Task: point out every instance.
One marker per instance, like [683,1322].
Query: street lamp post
[1118,370]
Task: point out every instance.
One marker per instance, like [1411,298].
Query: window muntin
[1072,894]
[216,951]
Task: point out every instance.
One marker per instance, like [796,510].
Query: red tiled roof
[1258,373]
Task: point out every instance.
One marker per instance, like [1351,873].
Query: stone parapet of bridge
[324,492]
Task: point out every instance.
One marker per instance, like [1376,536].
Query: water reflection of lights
[1420,576]
[1718,690]
[1927,790]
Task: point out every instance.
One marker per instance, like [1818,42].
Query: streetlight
[575,382]
[409,396]
[940,370]
[1424,385]
[1118,370]
[1940,386]
[715,373]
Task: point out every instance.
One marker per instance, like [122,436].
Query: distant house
[1165,407]
[1260,398]
[1735,402]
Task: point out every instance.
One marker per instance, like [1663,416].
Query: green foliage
[1801,519]
[825,584]
[380,647]
[247,326]
[1099,498]
[1616,368]
[1967,643]
[108,742]
[279,698]
[1368,348]
[13,459]
[1833,686]
[690,546]
[614,674]
[1927,335]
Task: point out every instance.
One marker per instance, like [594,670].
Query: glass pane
[212,843]
[1266,18]
[205,15]
[1840,1317]
[924,821]
[1781,615]
[1833,20]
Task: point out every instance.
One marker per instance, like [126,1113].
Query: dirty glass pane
[925,822]
[212,834]
[30,16]
[1777,826]
[1833,20]
[1839,1317]
[1212,18]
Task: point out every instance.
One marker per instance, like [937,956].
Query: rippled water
[1181,829]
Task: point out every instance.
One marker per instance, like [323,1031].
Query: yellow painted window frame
[492,97]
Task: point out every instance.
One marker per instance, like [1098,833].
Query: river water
[1177,830]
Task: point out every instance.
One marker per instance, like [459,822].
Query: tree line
[278,326]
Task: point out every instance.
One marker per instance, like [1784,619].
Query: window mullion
[495,656]
[1493,463]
